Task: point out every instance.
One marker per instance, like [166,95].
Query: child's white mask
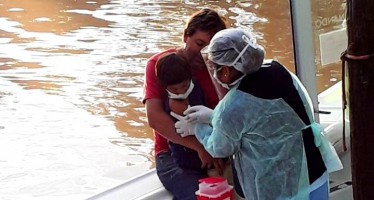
[181,96]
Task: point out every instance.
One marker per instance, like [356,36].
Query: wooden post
[360,27]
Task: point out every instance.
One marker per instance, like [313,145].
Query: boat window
[330,40]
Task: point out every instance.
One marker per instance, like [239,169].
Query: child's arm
[178,106]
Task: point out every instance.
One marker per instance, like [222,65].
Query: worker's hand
[199,114]
[182,126]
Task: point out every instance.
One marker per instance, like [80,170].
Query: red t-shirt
[152,90]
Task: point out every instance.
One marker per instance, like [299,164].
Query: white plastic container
[214,188]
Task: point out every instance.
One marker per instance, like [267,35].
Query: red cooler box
[214,188]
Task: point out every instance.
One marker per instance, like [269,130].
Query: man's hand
[220,164]
[206,159]
[208,162]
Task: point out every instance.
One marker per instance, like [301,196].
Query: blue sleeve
[230,121]
[216,142]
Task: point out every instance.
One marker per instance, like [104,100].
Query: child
[173,74]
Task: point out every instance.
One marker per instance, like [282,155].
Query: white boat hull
[143,187]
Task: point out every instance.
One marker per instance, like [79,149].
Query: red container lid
[211,180]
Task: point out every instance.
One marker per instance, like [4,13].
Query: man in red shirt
[181,182]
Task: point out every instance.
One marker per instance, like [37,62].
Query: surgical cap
[226,48]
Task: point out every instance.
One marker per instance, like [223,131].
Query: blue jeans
[321,193]
[182,183]
[185,157]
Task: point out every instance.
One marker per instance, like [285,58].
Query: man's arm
[160,121]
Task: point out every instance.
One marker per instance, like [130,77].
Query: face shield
[204,51]
[213,69]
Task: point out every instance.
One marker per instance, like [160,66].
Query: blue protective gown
[265,138]
[261,129]
[328,153]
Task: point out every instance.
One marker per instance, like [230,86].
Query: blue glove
[199,114]
[182,126]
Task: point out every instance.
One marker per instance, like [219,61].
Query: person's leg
[181,183]
[321,193]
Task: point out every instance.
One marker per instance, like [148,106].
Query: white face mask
[225,85]
[181,96]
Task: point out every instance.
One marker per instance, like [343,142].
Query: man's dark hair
[206,20]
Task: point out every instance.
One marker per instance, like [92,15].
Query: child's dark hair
[206,20]
[172,69]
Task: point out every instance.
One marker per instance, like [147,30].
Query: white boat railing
[146,186]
